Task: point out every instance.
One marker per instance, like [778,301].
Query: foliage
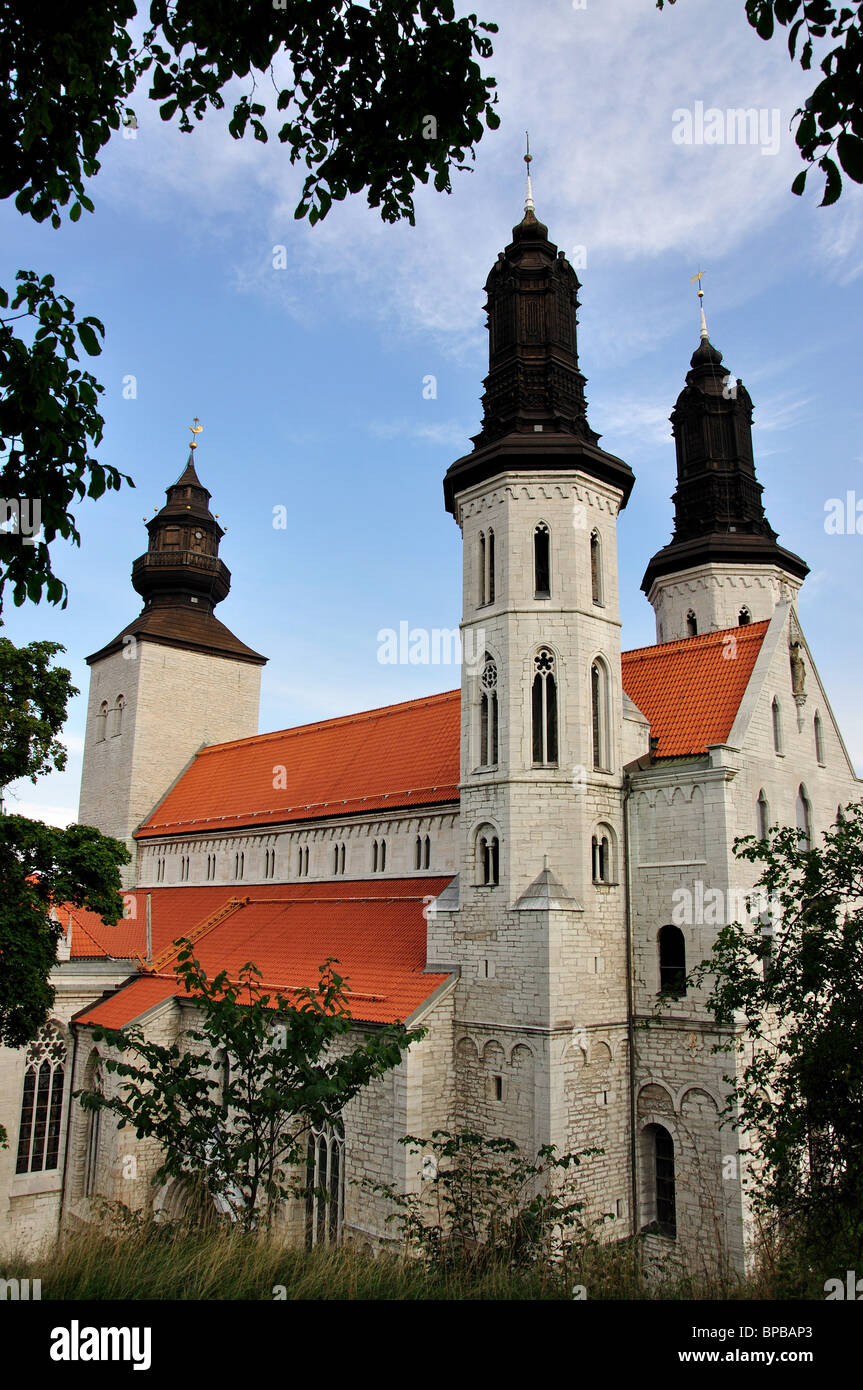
[40,865]
[49,422]
[795,1003]
[231,1102]
[830,123]
[483,1200]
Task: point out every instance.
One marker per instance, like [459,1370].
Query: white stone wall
[175,701]
[399,829]
[715,594]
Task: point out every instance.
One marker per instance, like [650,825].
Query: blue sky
[308,380]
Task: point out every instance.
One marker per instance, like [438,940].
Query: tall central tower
[537,926]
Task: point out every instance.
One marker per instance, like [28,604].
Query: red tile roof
[383,759]
[691,690]
[376,931]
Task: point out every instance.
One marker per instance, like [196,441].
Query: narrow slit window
[541,561]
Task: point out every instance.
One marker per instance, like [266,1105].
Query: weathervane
[692,280]
[528,159]
[196,429]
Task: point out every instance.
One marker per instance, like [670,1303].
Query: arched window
[426,852]
[239,864]
[541,561]
[819,738]
[94,1127]
[602,855]
[102,722]
[42,1102]
[379,856]
[490,558]
[663,1193]
[762,815]
[596,568]
[482,570]
[325,1184]
[544,709]
[303,861]
[487,856]
[342,852]
[335,859]
[418,853]
[672,961]
[118,716]
[691,624]
[777,725]
[599,715]
[803,815]
[488,714]
[744,618]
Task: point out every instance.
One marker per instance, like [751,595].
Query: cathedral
[520,866]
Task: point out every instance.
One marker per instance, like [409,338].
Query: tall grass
[190,1264]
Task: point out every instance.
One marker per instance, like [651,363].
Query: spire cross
[528,159]
[692,281]
[196,429]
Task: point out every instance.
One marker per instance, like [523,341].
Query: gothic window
[426,852]
[602,855]
[211,866]
[94,1125]
[490,558]
[335,859]
[418,853]
[599,715]
[803,816]
[763,815]
[42,1102]
[596,567]
[102,722]
[663,1181]
[482,586]
[325,1184]
[487,856]
[239,864]
[117,712]
[303,861]
[691,624]
[338,859]
[777,725]
[744,618]
[819,739]
[379,856]
[160,869]
[341,859]
[672,961]
[488,714]
[185,863]
[541,561]
[544,709]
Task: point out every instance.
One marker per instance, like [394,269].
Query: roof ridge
[700,638]
[357,716]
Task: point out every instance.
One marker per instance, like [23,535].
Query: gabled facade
[521,865]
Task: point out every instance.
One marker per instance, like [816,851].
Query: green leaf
[849,149]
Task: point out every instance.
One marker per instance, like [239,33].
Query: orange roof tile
[691,690]
[383,759]
[376,931]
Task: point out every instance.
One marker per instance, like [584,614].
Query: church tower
[174,679]
[723,566]
[536,922]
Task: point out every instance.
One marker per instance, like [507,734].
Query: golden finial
[528,159]
[692,280]
[196,429]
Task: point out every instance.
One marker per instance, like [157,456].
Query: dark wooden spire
[534,407]
[718,512]
[182,562]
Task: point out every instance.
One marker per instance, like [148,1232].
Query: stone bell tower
[723,566]
[174,679]
[537,923]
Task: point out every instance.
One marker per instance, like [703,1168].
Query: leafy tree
[40,866]
[232,1102]
[792,999]
[830,124]
[483,1200]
